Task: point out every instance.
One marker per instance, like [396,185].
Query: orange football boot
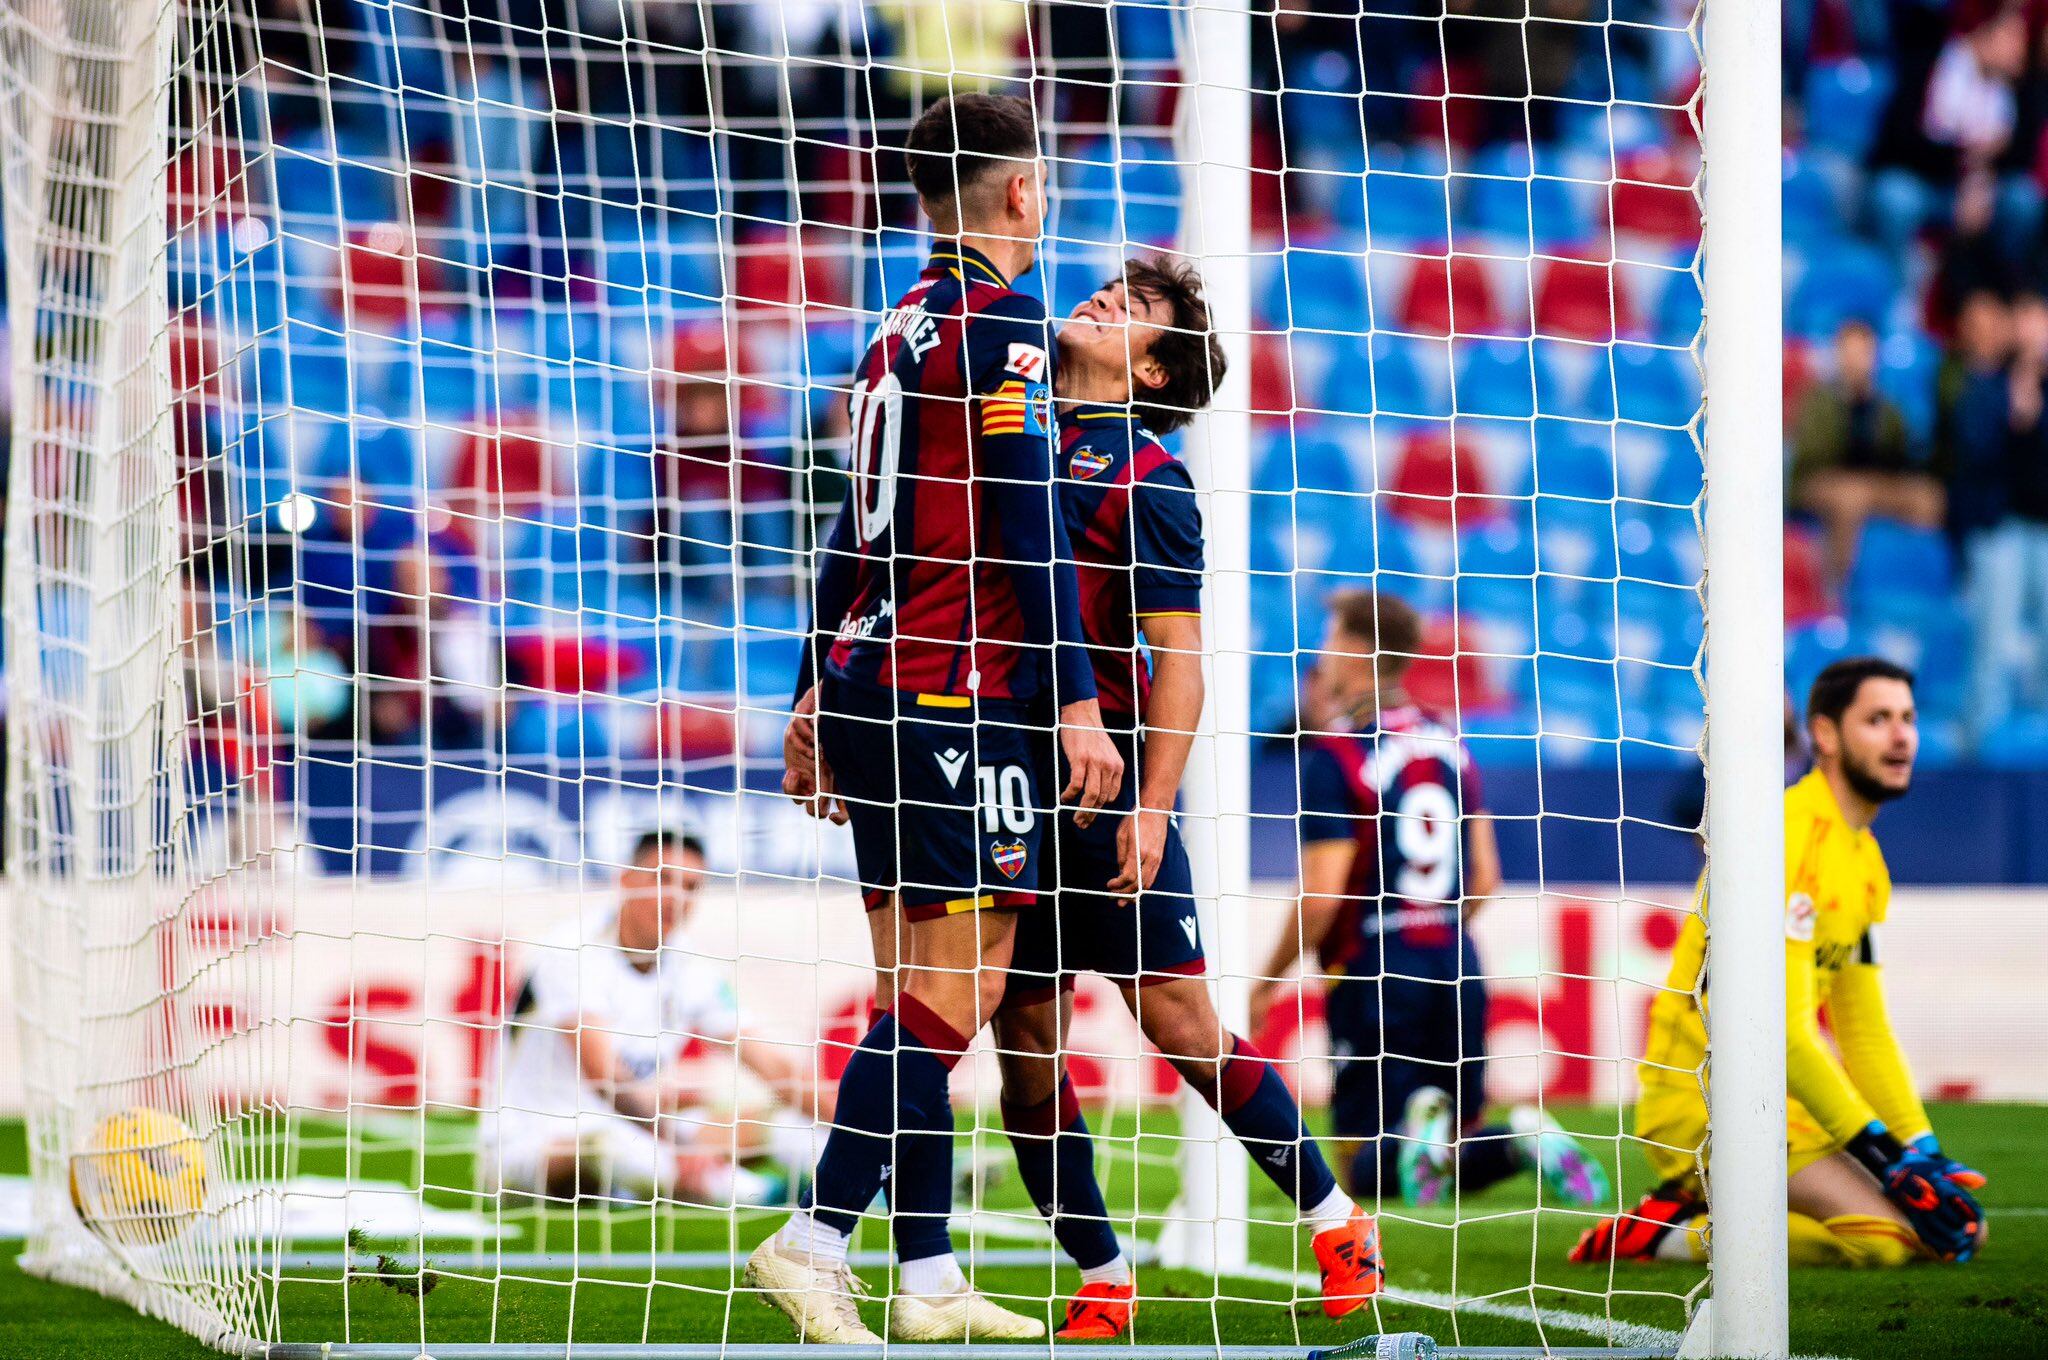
[1635,1235]
[1100,1311]
[1353,1270]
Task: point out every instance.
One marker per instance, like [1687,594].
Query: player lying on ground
[1870,1185]
[592,1096]
[1397,854]
[946,604]
[1137,357]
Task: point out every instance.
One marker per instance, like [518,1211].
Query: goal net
[426,421]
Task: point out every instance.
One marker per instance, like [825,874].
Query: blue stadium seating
[1845,100]
[1842,279]
[1495,378]
[1574,459]
[1897,561]
[1318,289]
[1655,386]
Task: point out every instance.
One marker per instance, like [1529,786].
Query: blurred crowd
[508,414]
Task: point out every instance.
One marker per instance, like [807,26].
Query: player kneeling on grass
[1397,853]
[1869,1185]
[591,1097]
[1137,357]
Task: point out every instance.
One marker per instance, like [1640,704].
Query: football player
[591,1099]
[1870,1184]
[947,634]
[1137,360]
[1397,854]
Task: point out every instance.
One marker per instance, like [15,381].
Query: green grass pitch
[1498,1260]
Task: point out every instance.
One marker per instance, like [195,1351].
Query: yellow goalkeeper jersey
[1837,892]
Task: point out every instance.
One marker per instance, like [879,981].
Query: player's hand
[1095,769]
[805,776]
[1140,845]
[1944,1213]
[1968,1177]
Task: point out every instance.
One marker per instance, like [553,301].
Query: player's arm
[597,1060]
[1877,1064]
[804,774]
[1166,596]
[1482,862]
[1870,1051]
[1329,845]
[1007,372]
[1482,847]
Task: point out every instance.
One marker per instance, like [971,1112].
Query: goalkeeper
[1870,1185]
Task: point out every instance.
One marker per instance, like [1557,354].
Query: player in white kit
[593,1097]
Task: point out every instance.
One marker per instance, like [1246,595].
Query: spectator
[714,488]
[1956,121]
[309,687]
[2008,555]
[433,660]
[1851,454]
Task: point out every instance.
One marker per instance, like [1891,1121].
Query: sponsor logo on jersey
[1009,857]
[1027,362]
[1088,462]
[951,763]
[1800,917]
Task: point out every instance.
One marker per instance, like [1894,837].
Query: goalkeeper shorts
[1671,1119]
[945,800]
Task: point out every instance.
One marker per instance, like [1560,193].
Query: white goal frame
[1746,1314]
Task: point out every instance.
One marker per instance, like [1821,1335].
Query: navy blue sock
[895,1081]
[1261,1111]
[921,1188]
[1487,1155]
[1056,1160]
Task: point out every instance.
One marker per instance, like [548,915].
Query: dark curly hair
[1187,348]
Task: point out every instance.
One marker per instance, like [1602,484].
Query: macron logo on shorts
[1187,925]
[952,763]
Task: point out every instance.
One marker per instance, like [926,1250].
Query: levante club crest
[1009,858]
[1089,462]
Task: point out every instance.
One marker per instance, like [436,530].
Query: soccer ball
[141,1179]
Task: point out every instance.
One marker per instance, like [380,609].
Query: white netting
[425,419]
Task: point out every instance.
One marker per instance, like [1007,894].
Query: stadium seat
[1811,216]
[1894,560]
[1309,460]
[1438,481]
[1318,289]
[1657,622]
[1653,197]
[1845,100]
[1574,379]
[1655,386]
[1573,458]
[1502,198]
[1583,300]
[1405,376]
[1576,539]
[1495,378]
[1806,592]
[1451,676]
[1908,361]
[1448,295]
[1657,465]
[1405,209]
[1843,279]
[1658,543]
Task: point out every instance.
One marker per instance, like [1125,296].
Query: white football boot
[817,1294]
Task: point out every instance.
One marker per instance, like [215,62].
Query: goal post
[1745,681]
[423,431]
[1214,142]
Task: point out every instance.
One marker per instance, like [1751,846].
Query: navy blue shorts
[944,798]
[1421,1023]
[1154,939]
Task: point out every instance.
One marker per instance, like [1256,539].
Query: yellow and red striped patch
[1002,411]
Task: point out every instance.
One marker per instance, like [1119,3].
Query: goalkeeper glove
[1941,1211]
[1968,1177]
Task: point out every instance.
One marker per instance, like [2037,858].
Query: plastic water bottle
[1382,1346]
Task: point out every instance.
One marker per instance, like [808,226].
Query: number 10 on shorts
[1005,797]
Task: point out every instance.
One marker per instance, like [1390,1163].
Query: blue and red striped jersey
[948,573]
[1400,789]
[1136,530]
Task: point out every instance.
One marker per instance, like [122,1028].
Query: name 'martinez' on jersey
[959,364]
